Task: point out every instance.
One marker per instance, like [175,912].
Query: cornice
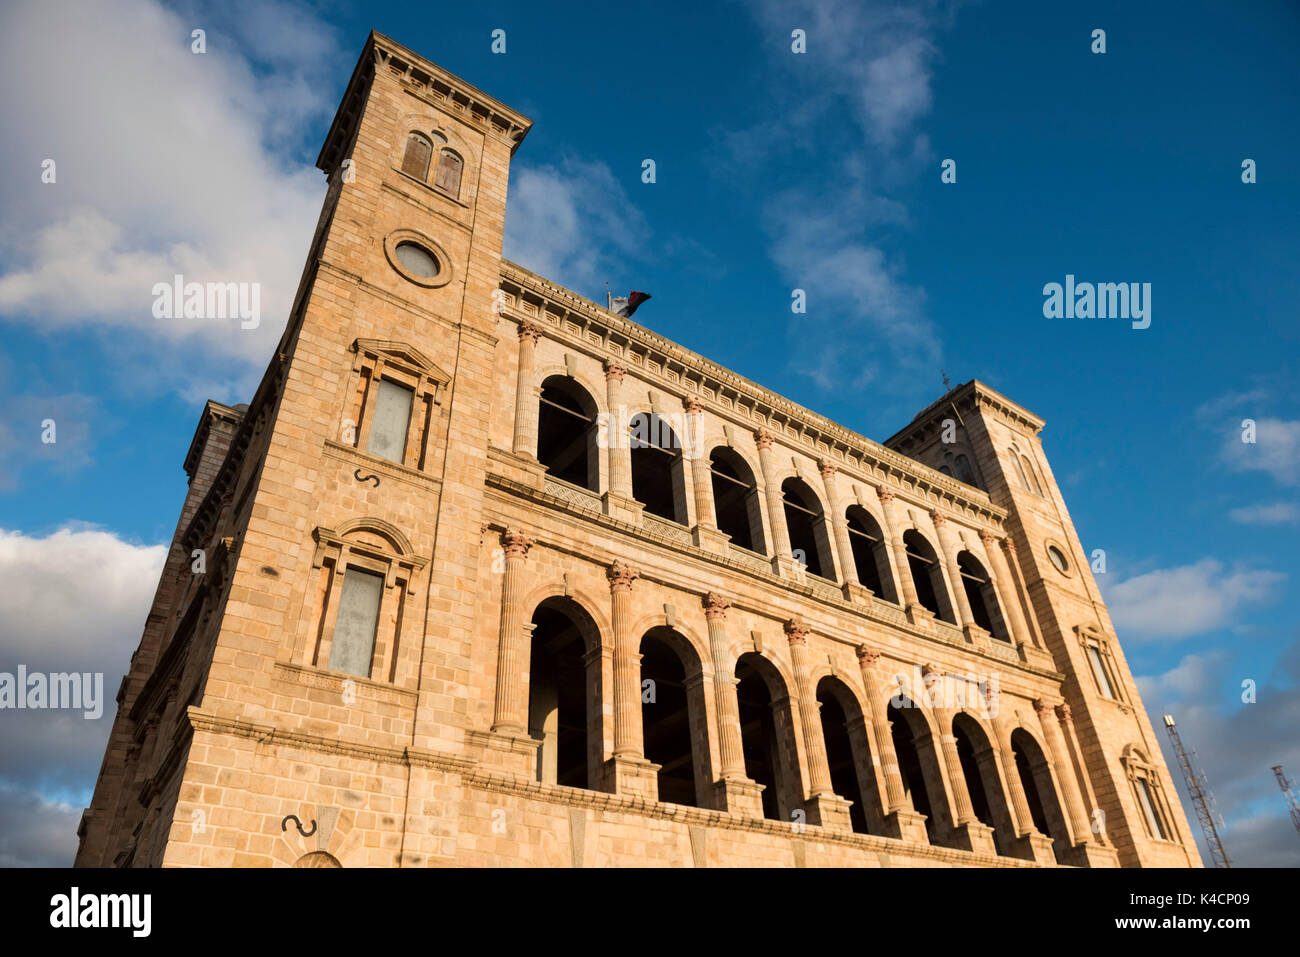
[426,80]
[211,413]
[972,396]
[677,370]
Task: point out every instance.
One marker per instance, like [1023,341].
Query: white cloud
[1276,449]
[572,223]
[857,94]
[167,162]
[75,600]
[1189,600]
[1277,513]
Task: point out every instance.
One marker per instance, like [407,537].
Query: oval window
[417,260]
[1058,559]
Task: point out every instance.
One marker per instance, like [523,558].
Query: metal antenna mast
[1199,790]
[1292,802]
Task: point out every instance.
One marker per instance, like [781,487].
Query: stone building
[486,574]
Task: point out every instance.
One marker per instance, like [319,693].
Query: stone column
[627,772]
[627,662]
[1059,757]
[733,792]
[823,807]
[510,709]
[895,532]
[1005,587]
[696,458]
[840,527]
[526,394]
[881,739]
[617,498]
[1030,844]
[724,688]
[775,503]
[948,548]
[968,831]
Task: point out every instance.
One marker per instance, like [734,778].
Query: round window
[1058,559]
[417,260]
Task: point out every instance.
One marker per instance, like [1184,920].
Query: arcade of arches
[788,744]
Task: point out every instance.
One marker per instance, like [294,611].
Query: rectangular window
[1149,806]
[353,645]
[1099,669]
[390,421]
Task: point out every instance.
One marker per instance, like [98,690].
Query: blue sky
[774,171]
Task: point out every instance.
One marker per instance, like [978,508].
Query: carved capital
[937,517]
[1009,546]
[797,631]
[1063,714]
[614,369]
[886,496]
[529,332]
[715,606]
[763,439]
[692,405]
[827,469]
[867,657]
[621,575]
[987,537]
[1042,707]
[515,543]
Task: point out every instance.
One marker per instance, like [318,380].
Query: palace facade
[486,574]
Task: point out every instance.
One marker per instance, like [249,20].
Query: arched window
[806,524]
[1020,468]
[735,500]
[450,166]
[673,721]
[962,470]
[918,763]
[767,736]
[1033,476]
[658,476]
[983,783]
[415,161]
[982,597]
[927,576]
[870,554]
[1040,793]
[566,433]
[848,753]
[564,694]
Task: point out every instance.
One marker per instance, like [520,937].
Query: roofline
[512,124]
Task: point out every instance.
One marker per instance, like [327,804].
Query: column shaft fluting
[724,689]
[819,773]
[627,663]
[616,431]
[526,394]
[514,644]
[895,533]
[775,501]
[840,526]
[878,721]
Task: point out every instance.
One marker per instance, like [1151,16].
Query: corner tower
[300,593]
[984,439]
